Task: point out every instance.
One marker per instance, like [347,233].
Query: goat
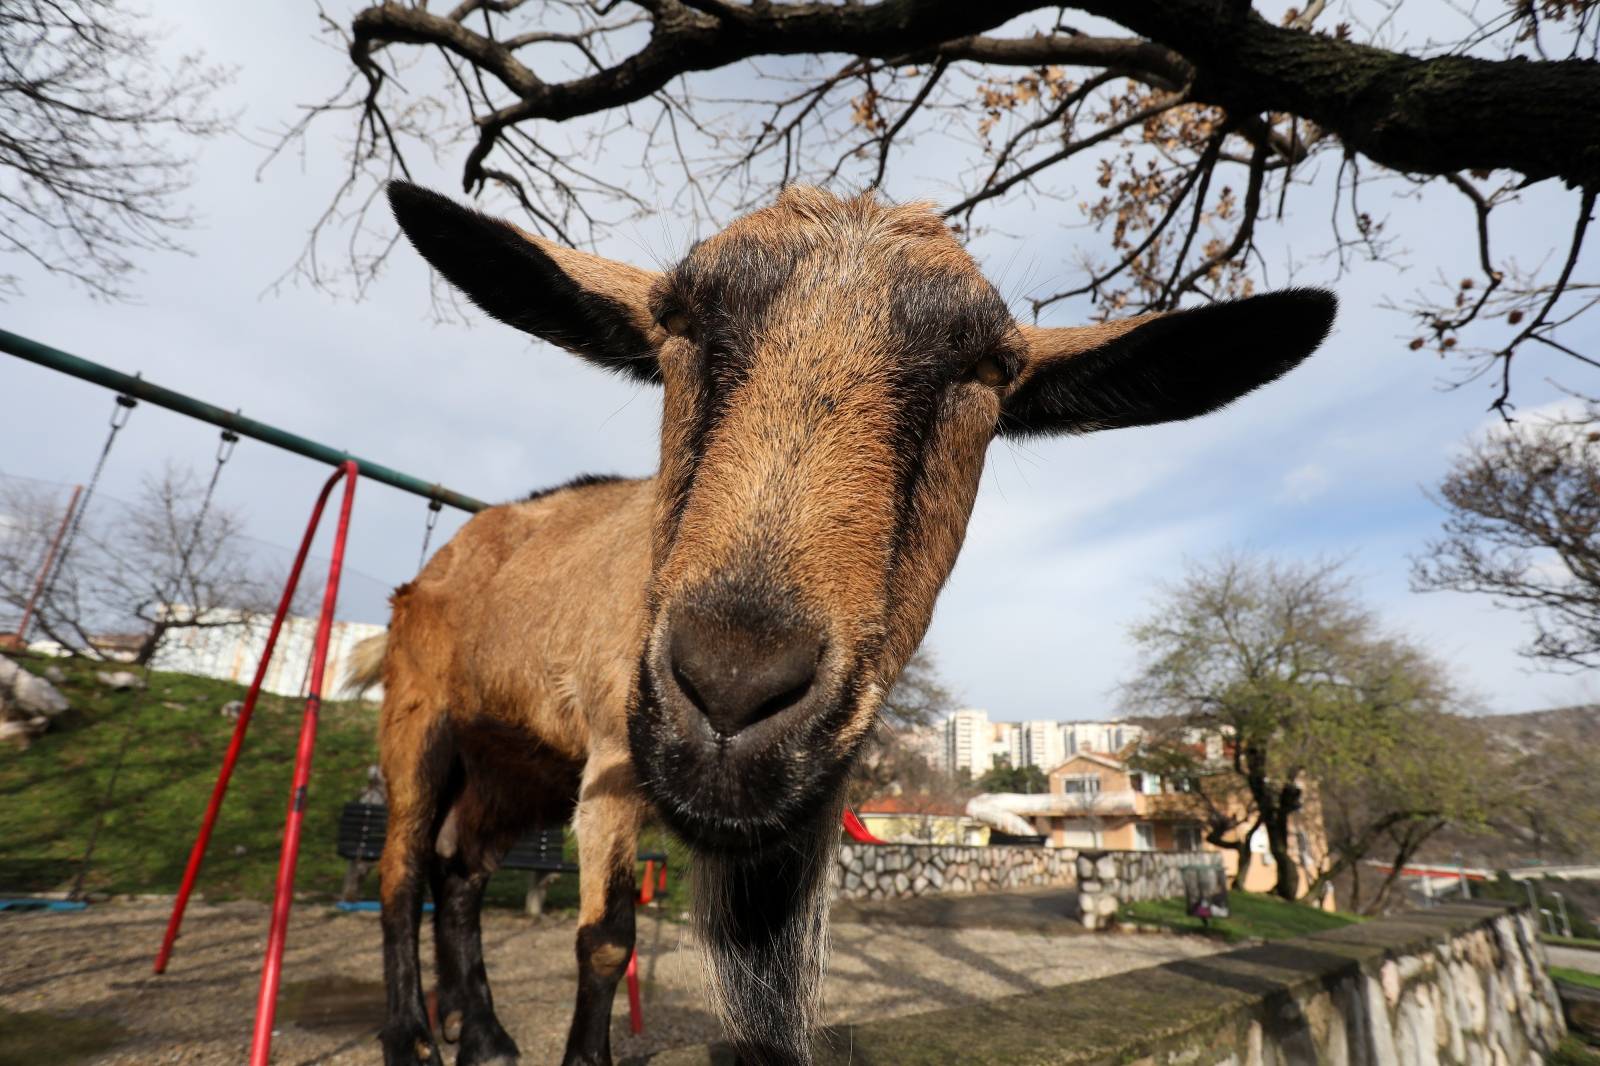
[713,642]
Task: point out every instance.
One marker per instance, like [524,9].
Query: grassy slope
[1254,916]
[1576,977]
[175,739]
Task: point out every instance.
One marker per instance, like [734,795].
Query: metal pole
[44,571]
[66,363]
[198,853]
[283,896]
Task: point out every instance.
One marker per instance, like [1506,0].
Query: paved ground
[1573,958]
[91,970]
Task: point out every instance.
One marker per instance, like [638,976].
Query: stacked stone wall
[1459,985]
[1105,879]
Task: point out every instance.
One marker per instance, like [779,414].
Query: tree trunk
[147,647]
[1288,886]
[1216,836]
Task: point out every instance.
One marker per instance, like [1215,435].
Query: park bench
[538,852]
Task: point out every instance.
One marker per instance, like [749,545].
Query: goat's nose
[735,676]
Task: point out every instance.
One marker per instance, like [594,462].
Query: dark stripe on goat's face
[814,386]
[945,323]
[725,287]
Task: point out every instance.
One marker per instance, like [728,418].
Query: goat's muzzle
[735,730]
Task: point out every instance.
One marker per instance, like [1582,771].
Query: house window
[1187,837]
[1144,837]
[1081,784]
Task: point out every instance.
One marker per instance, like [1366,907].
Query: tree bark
[1427,116]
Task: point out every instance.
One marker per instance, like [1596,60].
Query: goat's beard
[762,922]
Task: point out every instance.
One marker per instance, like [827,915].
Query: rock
[231,709]
[21,731]
[55,675]
[119,680]
[28,693]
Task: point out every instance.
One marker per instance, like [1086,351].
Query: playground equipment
[130,390]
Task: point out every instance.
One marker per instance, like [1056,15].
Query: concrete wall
[1459,985]
[1105,879]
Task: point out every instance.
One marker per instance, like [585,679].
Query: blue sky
[1068,542]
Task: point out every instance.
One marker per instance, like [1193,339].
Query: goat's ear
[1162,367]
[593,307]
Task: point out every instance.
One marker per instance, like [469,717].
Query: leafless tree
[94,132]
[169,561]
[915,704]
[1208,124]
[1522,524]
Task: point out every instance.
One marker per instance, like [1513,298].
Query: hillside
[147,761]
[1545,807]
[1526,733]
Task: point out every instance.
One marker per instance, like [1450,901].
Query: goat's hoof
[411,1048]
[485,1043]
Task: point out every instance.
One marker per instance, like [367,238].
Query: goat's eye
[676,323]
[988,371]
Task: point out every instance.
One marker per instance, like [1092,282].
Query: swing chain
[434,507]
[121,411]
[224,453]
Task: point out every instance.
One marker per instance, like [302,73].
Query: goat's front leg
[607,826]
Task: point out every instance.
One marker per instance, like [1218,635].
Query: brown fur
[824,429]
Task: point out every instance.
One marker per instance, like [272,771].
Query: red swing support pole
[283,895]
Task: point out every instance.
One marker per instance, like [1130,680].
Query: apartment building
[972,742]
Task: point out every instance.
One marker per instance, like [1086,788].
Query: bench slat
[362,827]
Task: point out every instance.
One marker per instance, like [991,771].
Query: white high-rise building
[1040,744]
[968,740]
[973,743]
[1101,738]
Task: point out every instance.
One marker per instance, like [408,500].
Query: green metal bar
[55,359]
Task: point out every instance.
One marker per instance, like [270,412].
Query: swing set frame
[348,469]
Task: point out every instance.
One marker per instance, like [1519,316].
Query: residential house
[913,819]
[1097,801]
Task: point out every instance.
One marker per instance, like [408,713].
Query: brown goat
[716,640]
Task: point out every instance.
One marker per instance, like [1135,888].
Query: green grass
[169,740]
[1571,942]
[1254,916]
[1575,977]
[1573,1052]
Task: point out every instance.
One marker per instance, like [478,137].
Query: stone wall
[1459,985]
[1108,879]
[1105,879]
[896,871]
